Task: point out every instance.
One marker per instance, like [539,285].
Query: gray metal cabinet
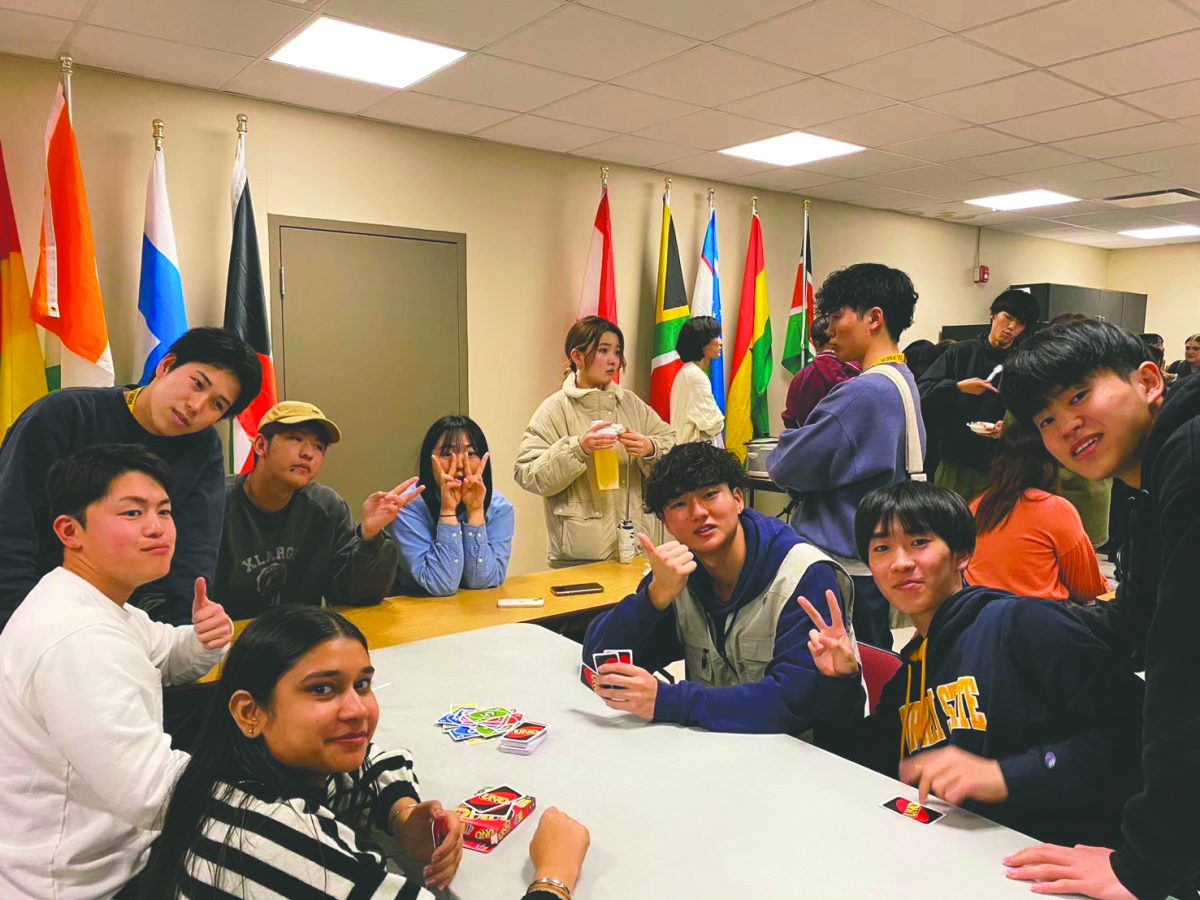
[1119,307]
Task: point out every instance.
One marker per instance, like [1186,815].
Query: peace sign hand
[830,645]
[474,491]
[445,474]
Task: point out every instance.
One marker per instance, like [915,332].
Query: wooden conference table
[673,812]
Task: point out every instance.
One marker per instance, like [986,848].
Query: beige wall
[527,215]
[1170,275]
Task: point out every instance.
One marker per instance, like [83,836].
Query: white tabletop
[673,812]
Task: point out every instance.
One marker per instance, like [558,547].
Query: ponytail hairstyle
[224,758]
[586,335]
[1021,463]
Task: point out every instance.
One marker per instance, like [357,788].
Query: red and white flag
[599,294]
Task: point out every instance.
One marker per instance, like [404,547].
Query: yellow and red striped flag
[746,414]
[66,290]
[22,369]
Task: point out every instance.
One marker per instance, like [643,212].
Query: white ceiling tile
[30,35]
[1018,95]
[1026,159]
[1120,187]
[1165,61]
[830,34]
[785,180]
[807,103]
[708,76]
[489,81]
[860,165]
[970,190]
[921,178]
[957,145]
[591,44]
[713,165]
[1114,220]
[434,113]
[1074,121]
[1063,177]
[60,9]
[711,129]
[150,57]
[956,15]
[841,191]
[704,20]
[888,126]
[615,108]
[934,67]
[246,27]
[1078,28]
[636,151]
[544,134]
[886,198]
[1171,101]
[1157,136]
[288,84]
[1190,122]
[1180,164]
[469,24]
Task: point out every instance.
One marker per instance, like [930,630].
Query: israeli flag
[163,316]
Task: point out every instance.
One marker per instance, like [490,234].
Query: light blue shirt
[439,559]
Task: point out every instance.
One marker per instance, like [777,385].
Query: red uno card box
[483,831]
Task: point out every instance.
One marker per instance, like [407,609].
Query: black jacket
[1016,680]
[947,410]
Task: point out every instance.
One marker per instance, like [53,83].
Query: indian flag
[747,416]
[66,289]
[670,312]
[22,369]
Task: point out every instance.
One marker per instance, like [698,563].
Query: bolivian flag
[747,415]
[670,312]
[22,370]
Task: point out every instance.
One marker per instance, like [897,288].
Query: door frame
[275,226]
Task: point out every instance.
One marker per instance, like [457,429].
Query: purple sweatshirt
[783,702]
[812,384]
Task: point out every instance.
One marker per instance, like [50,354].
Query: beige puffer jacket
[582,520]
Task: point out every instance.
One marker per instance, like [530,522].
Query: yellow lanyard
[131,398]
[890,358]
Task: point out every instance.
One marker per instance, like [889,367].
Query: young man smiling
[720,596]
[288,539]
[208,375]
[1006,705]
[1098,401]
[85,767]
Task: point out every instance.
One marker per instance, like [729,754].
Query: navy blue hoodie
[783,701]
[1017,680]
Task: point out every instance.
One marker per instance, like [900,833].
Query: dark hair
[1021,305]
[820,331]
[223,756]
[864,286]
[1020,463]
[1062,356]
[696,334]
[585,336]
[1151,337]
[451,427]
[920,508]
[1069,318]
[1194,337]
[77,481]
[687,468]
[226,351]
[1155,350]
[919,356]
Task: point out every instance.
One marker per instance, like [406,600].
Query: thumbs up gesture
[214,629]
[670,564]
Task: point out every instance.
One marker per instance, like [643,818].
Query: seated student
[695,415]
[1097,400]
[461,535]
[84,764]
[289,539]
[209,374]
[720,597]
[1031,543]
[1007,706]
[286,789]
[812,383]
[556,459]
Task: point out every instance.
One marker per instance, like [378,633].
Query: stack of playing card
[467,722]
[491,814]
[525,738]
[588,675]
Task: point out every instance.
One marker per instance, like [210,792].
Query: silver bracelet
[553,882]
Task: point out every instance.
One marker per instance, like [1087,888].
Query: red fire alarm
[982,274]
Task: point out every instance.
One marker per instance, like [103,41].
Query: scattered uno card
[911,809]
[525,738]
[470,724]
[484,828]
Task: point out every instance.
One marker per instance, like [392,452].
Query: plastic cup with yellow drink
[608,465]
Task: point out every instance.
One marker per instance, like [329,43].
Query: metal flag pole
[64,74]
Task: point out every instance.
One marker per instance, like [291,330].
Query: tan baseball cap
[297,412]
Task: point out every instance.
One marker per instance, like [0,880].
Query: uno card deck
[525,738]
[484,829]
[911,809]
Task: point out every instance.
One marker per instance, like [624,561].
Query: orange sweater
[1040,550]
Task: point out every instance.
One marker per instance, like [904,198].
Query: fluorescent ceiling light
[364,54]
[793,149]
[1023,200]
[1167,231]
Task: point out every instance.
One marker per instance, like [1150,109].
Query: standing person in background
[695,415]
[556,459]
[1190,364]
[920,355]
[961,387]
[810,385]
[461,535]
[1030,542]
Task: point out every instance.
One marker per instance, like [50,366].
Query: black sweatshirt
[72,419]
[1016,680]
[947,410]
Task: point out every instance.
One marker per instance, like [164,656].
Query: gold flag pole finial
[604,176]
[242,120]
[754,206]
[158,125]
[64,73]
[712,192]
[666,190]
[807,205]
